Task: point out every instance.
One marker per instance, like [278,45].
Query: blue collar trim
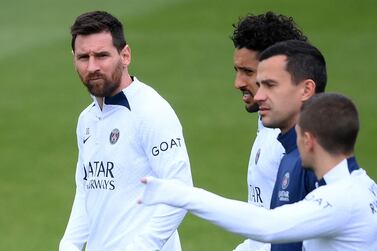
[118,99]
[352,164]
[288,140]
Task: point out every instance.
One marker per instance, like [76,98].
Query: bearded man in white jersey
[340,215]
[127,132]
[252,35]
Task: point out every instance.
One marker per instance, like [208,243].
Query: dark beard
[103,86]
[253,108]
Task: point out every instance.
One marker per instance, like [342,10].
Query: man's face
[278,97]
[99,65]
[245,65]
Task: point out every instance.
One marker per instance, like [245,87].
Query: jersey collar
[340,171]
[118,99]
[288,140]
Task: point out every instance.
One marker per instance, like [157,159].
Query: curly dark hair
[259,32]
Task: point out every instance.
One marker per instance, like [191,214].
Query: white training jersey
[338,216]
[135,134]
[264,161]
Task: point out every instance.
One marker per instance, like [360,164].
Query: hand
[169,192]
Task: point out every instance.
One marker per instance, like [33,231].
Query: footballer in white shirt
[129,131]
[253,34]
[340,215]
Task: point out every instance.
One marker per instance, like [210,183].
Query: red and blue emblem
[285,182]
[114,136]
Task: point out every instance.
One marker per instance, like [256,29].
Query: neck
[289,124]
[100,102]
[284,130]
[326,162]
[125,82]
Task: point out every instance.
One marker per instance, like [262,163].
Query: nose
[239,81]
[92,64]
[260,95]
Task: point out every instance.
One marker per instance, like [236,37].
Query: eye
[102,55]
[82,57]
[269,85]
[249,72]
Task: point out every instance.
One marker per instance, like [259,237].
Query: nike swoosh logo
[84,140]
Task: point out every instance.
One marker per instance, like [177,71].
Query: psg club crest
[285,182]
[114,136]
[257,156]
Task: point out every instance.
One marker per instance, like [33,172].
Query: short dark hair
[261,31]
[96,22]
[334,121]
[304,61]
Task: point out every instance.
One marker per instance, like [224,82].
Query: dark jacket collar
[288,140]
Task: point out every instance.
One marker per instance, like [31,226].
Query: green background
[181,48]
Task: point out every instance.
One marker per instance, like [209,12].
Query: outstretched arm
[288,223]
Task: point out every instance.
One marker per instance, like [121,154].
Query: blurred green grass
[182,48]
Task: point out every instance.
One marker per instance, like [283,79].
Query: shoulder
[149,106]
[268,136]
[339,195]
[266,131]
[360,183]
[332,198]
[84,118]
[145,98]
[291,160]
[348,190]
[266,140]
[84,113]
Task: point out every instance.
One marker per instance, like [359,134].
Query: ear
[308,89]
[125,54]
[74,59]
[309,141]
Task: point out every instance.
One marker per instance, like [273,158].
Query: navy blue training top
[293,182]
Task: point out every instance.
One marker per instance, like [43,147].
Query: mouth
[263,110]
[94,78]
[246,96]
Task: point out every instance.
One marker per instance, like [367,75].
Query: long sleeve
[163,141]
[315,216]
[76,233]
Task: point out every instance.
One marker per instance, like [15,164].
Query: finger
[144,180]
[147,179]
